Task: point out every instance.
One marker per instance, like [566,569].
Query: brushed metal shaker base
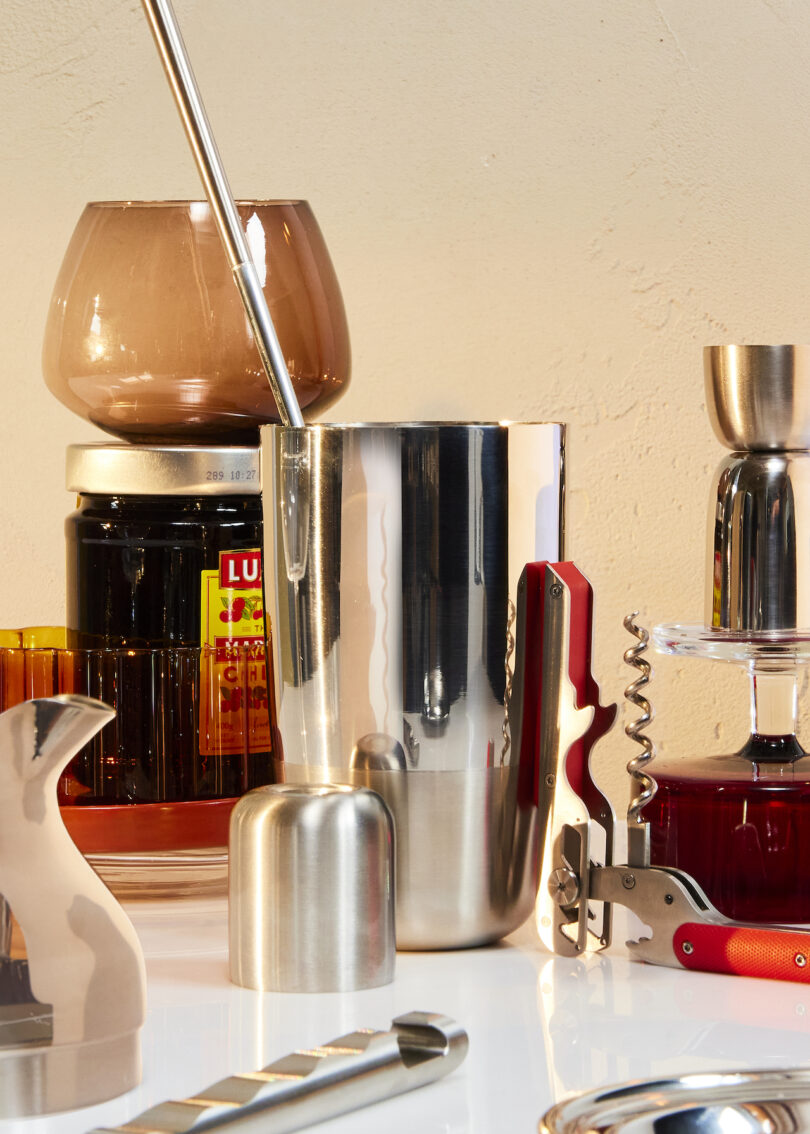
[466,854]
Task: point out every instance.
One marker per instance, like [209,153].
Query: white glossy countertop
[540,1028]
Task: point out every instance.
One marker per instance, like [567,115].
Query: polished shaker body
[392,556]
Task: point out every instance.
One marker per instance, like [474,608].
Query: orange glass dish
[146,335]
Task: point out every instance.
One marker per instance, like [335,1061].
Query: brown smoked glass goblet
[146,335]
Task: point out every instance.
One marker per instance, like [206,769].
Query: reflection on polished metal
[311,1086]
[392,553]
[72,1004]
[758,576]
[378,751]
[733,1102]
[758,397]
[311,889]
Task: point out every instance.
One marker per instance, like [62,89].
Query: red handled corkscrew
[578,881]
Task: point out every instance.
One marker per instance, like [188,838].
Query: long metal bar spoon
[209,164]
[323,1082]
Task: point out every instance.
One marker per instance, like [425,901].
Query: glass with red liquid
[739,824]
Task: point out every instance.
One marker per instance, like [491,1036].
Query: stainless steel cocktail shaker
[392,555]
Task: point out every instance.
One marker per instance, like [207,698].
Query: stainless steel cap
[311,889]
[758,397]
[758,571]
[163,470]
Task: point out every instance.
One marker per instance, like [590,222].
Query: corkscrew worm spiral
[646,786]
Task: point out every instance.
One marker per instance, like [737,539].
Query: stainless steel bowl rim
[641,1103]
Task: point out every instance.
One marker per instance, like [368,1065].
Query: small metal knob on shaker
[311,889]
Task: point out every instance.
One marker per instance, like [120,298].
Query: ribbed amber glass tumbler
[148,800]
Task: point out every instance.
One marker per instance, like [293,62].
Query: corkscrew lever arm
[686,931]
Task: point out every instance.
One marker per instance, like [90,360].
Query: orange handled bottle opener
[578,881]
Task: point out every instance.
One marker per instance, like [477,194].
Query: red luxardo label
[233,677]
[240,569]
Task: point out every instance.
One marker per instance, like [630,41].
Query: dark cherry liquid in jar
[134,564]
[740,826]
[164,587]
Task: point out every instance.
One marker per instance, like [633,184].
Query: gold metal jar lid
[158,470]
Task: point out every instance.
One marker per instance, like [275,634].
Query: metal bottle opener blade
[578,884]
[320,1083]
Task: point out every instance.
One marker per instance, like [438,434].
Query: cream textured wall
[537,210]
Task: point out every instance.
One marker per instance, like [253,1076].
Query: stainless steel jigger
[758,578]
[758,397]
[311,889]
